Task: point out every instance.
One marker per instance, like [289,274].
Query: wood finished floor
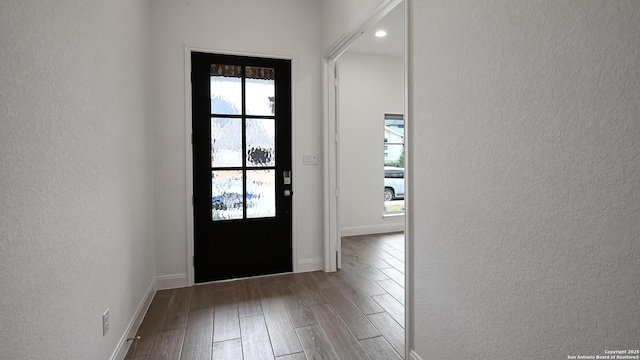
[355,313]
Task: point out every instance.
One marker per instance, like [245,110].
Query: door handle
[288,193]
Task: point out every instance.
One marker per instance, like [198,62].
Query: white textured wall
[341,16]
[526,171]
[76,206]
[369,87]
[279,27]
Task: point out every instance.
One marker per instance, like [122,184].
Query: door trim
[330,128]
[189,150]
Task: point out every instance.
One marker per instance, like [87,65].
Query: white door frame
[330,133]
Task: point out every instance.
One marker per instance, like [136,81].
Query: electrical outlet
[105,322]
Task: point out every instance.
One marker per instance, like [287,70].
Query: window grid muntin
[244,117]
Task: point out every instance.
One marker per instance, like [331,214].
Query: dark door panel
[241,151]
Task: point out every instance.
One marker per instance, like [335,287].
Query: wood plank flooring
[354,313]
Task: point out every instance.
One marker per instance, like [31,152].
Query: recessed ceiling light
[381,33]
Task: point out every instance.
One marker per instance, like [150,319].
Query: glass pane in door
[261,142]
[226,142]
[261,193]
[227,195]
[260,90]
[226,89]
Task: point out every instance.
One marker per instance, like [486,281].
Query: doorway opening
[371,128]
[365,136]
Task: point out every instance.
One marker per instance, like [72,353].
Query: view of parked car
[393,183]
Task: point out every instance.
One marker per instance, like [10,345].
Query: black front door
[241,166]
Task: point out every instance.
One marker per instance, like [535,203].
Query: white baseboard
[372,229]
[414,355]
[171,281]
[307,265]
[123,345]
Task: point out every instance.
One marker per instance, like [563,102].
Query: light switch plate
[310,159]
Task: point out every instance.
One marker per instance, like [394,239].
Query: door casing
[332,251]
[189,153]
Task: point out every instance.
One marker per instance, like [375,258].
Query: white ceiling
[390,45]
